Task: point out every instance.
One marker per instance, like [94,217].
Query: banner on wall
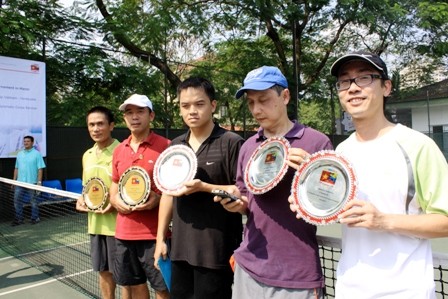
[22,105]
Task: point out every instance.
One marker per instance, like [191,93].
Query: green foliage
[150,46]
[433,16]
[317,114]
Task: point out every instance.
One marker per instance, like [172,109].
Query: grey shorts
[134,264]
[102,252]
[246,287]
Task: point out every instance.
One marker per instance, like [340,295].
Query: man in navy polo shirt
[204,234]
[279,256]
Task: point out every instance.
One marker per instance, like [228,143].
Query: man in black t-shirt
[204,234]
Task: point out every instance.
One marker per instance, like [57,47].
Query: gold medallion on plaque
[95,194]
[134,186]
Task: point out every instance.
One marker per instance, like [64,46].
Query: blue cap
[262,78]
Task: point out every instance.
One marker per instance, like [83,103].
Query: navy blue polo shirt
[204,233]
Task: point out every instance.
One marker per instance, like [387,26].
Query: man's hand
[293,206]
[105,209]
[238,206]
[360,213]
[151,203]
[120,206]
[81,204]
[160,251]
[296,156]
[188,188]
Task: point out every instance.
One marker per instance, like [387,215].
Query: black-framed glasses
[361,81]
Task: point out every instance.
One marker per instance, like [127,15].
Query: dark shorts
[102,252]
[134,264]
[200,283]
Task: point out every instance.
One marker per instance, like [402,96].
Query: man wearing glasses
[402,200]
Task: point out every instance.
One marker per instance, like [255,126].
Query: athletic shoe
[35,221]
[16,222]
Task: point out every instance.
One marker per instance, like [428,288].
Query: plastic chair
[55,184]
[73,185]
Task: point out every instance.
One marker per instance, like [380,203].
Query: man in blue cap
[279,256]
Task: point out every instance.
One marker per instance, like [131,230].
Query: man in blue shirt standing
[29,168]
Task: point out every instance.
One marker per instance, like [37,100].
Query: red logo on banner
[34,67]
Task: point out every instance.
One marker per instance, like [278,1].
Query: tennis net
[59,245]
[330,252]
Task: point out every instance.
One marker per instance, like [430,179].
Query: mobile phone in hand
[224,194]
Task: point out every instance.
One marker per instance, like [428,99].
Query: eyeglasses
[361,81]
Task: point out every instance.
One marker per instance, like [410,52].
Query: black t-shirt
[204,233]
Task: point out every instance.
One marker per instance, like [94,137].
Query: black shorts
[102,252]
[134,264]
[200,283]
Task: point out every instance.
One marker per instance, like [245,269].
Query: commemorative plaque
[322,187]
[267,165]
[176,165]
[134,186]
[95,194]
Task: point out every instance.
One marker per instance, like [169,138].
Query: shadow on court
[19,280]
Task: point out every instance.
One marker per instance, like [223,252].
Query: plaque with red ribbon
[267,165]
[322,187]
[175,165]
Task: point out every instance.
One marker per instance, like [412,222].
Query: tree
[79,76]
[116,48]
[321,30]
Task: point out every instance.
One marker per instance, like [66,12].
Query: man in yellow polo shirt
[97,163]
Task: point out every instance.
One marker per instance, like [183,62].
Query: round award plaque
[267,165]
[134,186]
[175,165]
[322,187]
[95,194]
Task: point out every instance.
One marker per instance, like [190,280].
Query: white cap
[137,100]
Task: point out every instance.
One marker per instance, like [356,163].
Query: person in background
[136,228]
[279,256]
[97,163]
[28,169]
[402,198]
[204,234]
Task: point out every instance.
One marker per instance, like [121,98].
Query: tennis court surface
[49,256]
[20,280]
[51,259]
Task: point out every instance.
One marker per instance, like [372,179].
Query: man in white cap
[279,256]
[136,229]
